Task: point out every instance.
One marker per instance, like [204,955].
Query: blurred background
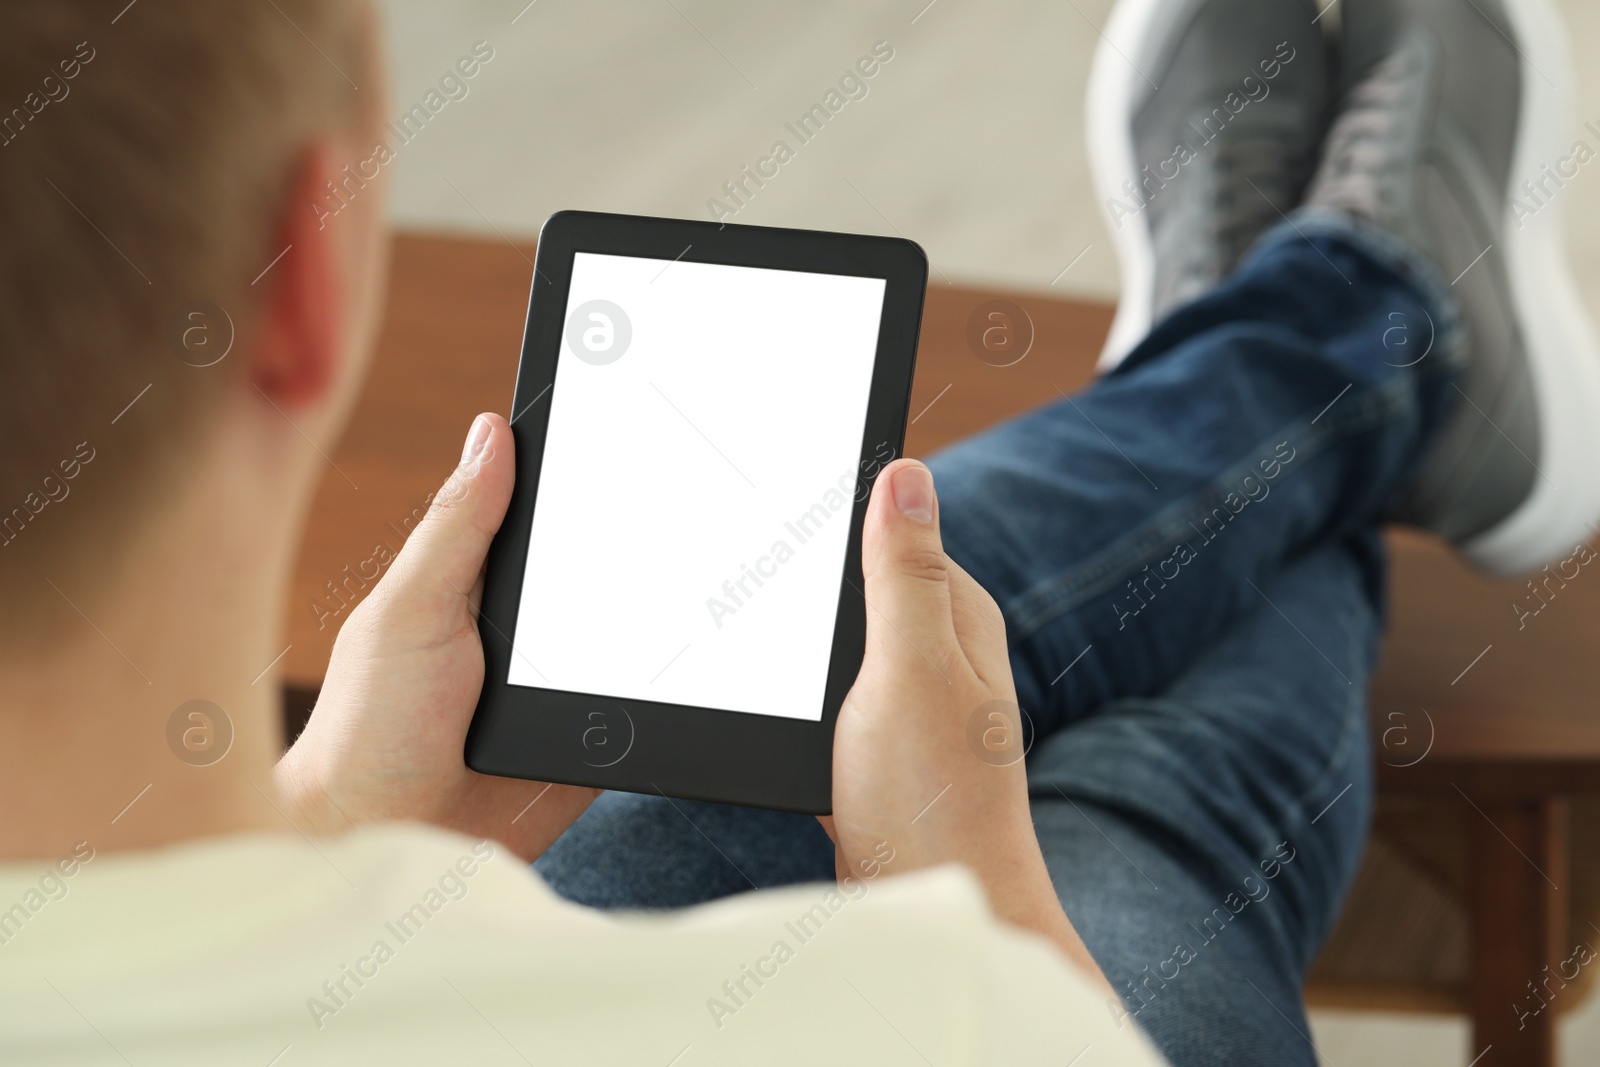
[969,140]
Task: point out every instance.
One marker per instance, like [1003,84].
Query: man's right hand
[927,754]
[386,739]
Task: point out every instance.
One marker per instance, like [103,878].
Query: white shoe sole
[1116,79]
[1563,354]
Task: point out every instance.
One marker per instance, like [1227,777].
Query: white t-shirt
[403,944]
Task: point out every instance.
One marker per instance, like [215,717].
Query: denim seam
[1347,739]
[1053,597]
[1354,726]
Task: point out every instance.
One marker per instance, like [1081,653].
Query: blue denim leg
[632,851]
[1123,530]
[1202,838]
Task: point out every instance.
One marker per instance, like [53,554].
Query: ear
[300,339]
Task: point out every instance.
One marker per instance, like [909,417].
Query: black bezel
[671,749]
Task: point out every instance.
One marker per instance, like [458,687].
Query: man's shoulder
[199,894]
[401,942]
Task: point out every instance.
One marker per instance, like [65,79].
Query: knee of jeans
[1225,806]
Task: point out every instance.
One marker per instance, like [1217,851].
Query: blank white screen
[694,499]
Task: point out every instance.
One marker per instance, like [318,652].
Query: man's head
[170,295]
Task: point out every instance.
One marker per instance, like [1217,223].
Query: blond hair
[145,159]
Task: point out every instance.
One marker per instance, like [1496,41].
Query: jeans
[1188,559]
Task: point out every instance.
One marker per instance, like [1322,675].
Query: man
[184,333]
[157,909]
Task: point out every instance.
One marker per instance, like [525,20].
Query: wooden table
[1479,825]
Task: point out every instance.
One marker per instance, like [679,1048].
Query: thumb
[449,545]
[907,573]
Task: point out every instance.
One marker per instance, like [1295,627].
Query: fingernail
[477,437]
[913,492]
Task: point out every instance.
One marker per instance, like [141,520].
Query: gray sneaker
[1204,120]
[1449,106]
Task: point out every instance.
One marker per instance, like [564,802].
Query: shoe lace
[1253,182]
[1365,145]
[1240,188]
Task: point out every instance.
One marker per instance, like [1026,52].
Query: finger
[449,546]
[907,573]
[980,627]
[475,597]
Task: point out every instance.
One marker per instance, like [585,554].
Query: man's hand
[927,754]
[386,739]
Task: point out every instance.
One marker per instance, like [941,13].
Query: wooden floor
[1481,723]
